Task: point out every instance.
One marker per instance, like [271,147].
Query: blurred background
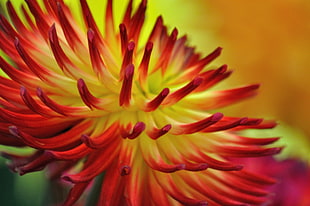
[266,42]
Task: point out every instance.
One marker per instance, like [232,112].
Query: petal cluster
[94,100]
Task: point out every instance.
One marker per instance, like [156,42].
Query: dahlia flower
[94,101]
[292,175]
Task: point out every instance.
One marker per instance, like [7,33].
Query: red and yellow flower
[292,175]
[142,113]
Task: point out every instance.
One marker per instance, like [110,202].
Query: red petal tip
[184,91]
[137,130]
[14,131]
[125,170]
[217,116]
[90,34]
[67,179]
[156,102]
[156,133]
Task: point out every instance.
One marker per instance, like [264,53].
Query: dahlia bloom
[94,102]
[292,175]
